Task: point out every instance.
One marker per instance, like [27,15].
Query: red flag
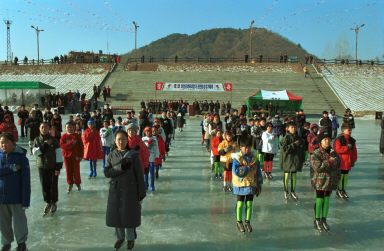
[159,86]
[228,87]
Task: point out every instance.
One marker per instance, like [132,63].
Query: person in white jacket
[269,149]
[106,135]
[153,148]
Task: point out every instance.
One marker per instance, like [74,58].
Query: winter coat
[269,143]
[206,128]
[167,126]
[246,173]
[325,172]
[153,148]
[291,155]
[347,157]
[212,128]
[335,122]
[126,190]
[180,121]
[215,142]
[92,145]
[138,144]
[69,149]
[106,136]
[161,145]
[349,119]
[312,143]
[257,133]
[32,128]
[326,125]
[49,156]
[15,185]
[277,127]
[11,128]
[225,152]
[382,137]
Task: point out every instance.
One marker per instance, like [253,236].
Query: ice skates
[317,224]
[47,209]
[325,225]
[130,245]
[345,195]
[69,188]
[339,194]
[248,226]
[78,187]
[294,196]
[118,244]
[53,208]
[21,247]
[240,226]
[6,247]
[286,195]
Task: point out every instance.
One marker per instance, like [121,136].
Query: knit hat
[345,126]
[322,136]
[147,129]
[132,126]
[91,122]
[313,126]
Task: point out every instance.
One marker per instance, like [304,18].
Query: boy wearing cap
[291,158]
[153,148]
[345,146]
[325,175]
[247,181]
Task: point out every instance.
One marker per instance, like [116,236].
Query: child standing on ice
[247,182]
[15,187]
[226,148]
[153,148]
[92,147]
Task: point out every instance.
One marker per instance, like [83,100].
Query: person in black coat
[325,123]
[126,191]
[23,116]
[349,119]
[32,125]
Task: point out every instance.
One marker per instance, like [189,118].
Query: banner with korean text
[194,87]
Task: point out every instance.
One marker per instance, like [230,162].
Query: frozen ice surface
[189,211]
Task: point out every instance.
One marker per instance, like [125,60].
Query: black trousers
[49,184]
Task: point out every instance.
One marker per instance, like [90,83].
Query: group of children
[146,154]
[250,147]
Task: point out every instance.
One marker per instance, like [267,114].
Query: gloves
[44,147]
[229,148]
[126,163]
[350,147]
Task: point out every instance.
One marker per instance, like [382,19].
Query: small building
[22,92]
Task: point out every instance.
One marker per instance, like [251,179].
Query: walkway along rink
[189,210]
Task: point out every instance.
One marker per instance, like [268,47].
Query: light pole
[37,34]
[136,26]
[250,40]
[356,29]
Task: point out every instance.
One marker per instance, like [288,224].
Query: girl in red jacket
[161,145]
[135,142]
[9,126]
[73,148]
[92,147]
[215,152]
[345,146]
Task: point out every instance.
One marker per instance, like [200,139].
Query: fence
[53,61]
[244,59]
[349,62]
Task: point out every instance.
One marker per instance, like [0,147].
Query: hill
[223,42]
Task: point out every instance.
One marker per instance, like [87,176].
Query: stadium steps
[128,88]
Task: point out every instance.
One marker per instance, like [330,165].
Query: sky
[322,27]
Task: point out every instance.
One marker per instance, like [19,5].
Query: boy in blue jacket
[15,192]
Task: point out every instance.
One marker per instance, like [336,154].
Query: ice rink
[189,210]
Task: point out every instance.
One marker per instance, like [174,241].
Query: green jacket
[291,155]
[47,156]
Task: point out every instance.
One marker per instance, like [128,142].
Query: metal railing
[349,62]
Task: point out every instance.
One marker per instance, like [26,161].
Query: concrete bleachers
[130,87]
[63,83]
[360,87]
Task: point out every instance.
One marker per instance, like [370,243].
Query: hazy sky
[322,27]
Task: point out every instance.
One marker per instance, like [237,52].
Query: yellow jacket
[252,176]
[223,145]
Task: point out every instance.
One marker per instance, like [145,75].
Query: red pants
[267,166]
[227,176]
[72,166]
